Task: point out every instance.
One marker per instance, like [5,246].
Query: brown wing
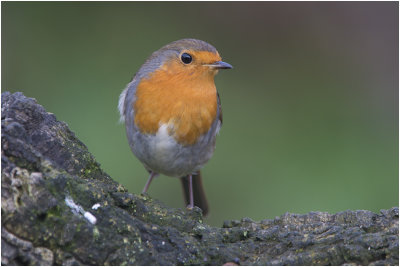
[219,108]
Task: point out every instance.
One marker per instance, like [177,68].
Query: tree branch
[59,207]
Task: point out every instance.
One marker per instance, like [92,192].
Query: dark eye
[186,58]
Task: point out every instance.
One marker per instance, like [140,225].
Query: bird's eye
[186,58]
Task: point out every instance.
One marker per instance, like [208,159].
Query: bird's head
[186,59]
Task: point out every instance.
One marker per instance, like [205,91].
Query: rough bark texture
[59,207]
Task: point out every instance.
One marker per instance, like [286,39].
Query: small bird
[172,114]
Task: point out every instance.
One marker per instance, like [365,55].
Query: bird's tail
[199,196]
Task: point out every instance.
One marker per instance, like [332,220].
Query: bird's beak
[220,65]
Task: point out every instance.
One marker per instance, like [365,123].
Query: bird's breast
[186,102]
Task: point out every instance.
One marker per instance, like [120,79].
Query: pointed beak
[220,65]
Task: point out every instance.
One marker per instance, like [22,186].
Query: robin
[172,114]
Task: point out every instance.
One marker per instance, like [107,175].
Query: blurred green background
[310,108]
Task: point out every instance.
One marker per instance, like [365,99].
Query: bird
[172,114]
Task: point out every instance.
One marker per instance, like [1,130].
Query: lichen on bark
[59,207]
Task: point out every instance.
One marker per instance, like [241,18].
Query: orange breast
[185,100]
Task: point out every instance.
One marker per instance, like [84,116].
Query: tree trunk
[59,207]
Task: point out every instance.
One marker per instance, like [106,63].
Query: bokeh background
[310,108]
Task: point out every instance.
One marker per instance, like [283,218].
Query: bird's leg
[191,205]
[146,187]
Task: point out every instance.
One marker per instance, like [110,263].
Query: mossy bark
[59,207]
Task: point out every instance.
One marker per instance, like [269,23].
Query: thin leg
[146,187]
[199,196]
[191,205]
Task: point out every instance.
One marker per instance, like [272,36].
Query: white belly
[162,154]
